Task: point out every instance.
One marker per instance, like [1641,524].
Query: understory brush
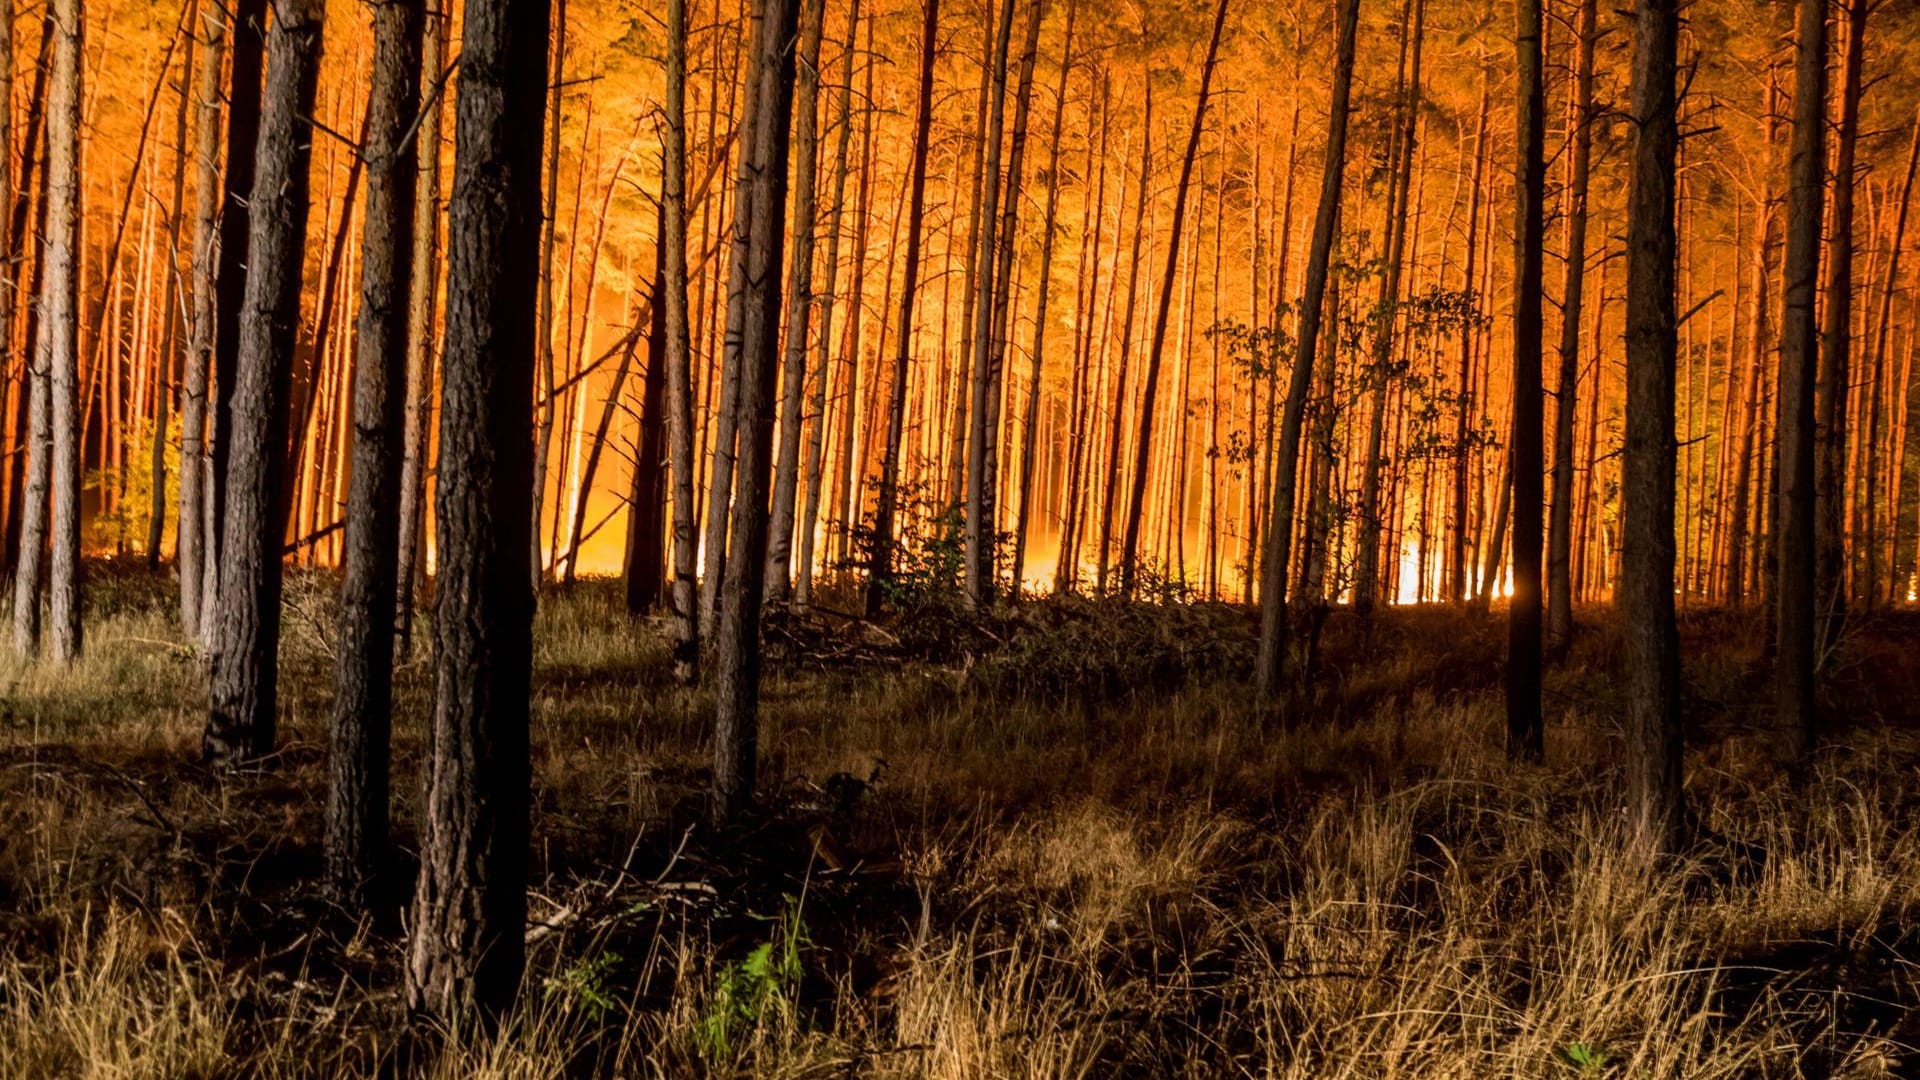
[1073,847]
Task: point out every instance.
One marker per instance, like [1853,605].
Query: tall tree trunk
[1836,347]
[242,713]
[1903,397]
[757,248]
[1566,398]
[1652,649]
[848,479]
[29,572]
[363,699]
[59,302]
[816,439]
[1869,515]
[469,911]
[644,569]
[978,216]
[1366,573]
[1150,384]
[1270,661]
[13,390]
[1030,449]
[984,481]
[164,378]
[800,301]
[678,354]
[20,254]
[1794,596]
[244,67]
[1317,537]
[759,235]
[423,294]
[1524,725]
[1211,476]
[978,360]
[546,399]
[723,449]
[880,568]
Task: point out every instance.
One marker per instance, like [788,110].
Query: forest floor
[1058,843]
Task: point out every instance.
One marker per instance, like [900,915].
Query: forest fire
[959,539]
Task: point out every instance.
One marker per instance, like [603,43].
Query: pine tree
[363,697]
[1645,599]
[469,912]
[246,616]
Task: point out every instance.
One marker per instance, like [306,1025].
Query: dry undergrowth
[961,878]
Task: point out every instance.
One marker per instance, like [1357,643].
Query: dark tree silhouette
[1652,650]
[1794,598]
[469,912]
[363,696]
[758,240]
[1524,729]
[246,615]
[1270,661]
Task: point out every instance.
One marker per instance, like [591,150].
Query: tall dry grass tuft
[118,998]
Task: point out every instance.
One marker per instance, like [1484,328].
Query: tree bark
[242,713]
[880,567]
[246,58]
[759,235]
[29,572]
[59,302]
[1794,596]
[20,254]
[1652,650]
[469,913]
[1270,660]
[363,699]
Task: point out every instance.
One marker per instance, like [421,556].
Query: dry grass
[1055,872]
